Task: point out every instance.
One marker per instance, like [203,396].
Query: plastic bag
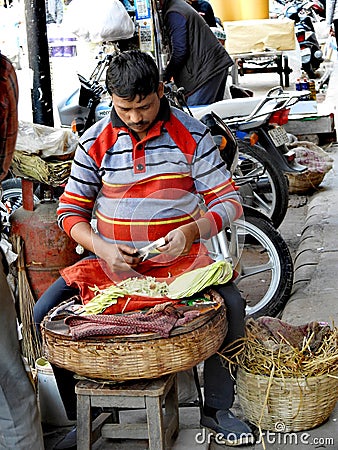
[312,156]
[103,20]
[45,141]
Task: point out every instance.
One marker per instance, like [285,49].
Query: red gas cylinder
[47,248]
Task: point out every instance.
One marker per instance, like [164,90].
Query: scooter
[311,53]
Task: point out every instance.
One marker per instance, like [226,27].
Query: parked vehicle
[303,13]
[90,102]
[258,124]
[258,251]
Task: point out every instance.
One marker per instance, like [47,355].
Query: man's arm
[178,34]
[75,209]
[214,184]
[206,11]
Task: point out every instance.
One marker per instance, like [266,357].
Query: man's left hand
[179,241]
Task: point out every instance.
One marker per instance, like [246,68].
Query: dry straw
[292,381]
[31,346]
[315,355]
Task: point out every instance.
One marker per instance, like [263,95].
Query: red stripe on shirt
[169,186]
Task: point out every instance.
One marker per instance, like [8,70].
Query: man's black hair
[132,73]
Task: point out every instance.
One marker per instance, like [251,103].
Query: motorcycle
[90,102]
[258,125]
[258,252]
[302,13]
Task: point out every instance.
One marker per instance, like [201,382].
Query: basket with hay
[287,376]
[318,163]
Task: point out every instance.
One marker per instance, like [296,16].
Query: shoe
[227,429]
[67,442]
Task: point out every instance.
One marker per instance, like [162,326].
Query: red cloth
[89,273]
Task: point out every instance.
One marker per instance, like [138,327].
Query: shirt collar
[162,116]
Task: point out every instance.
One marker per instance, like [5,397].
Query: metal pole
[38,56]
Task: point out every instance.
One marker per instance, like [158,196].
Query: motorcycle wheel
[264,265]
[12,193]
[266,189]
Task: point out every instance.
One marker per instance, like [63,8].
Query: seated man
[143,171]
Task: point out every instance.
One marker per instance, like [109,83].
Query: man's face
[139,114]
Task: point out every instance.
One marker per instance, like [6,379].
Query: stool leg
[171,412]
[155,422]
[84,423]
[171,400]
[199,391]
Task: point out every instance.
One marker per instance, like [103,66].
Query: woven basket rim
[191,326]
[267,377]
[302,182]
[121,360]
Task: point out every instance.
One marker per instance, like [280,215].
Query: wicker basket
[288,404]
[318,162]
[301,183]
[146,355]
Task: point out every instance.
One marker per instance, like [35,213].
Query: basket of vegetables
[167,330]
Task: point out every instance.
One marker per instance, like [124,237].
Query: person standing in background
[205,10]
[332,18]
[198,62]
[20,425]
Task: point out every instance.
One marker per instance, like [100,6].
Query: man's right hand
[119,257]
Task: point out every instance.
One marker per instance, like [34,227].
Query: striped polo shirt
[139,190]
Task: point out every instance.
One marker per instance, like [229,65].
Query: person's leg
[218,382]
[20,425]
[53,296]
[212,91]
[57,293]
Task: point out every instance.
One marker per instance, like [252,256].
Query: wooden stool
[161,429]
